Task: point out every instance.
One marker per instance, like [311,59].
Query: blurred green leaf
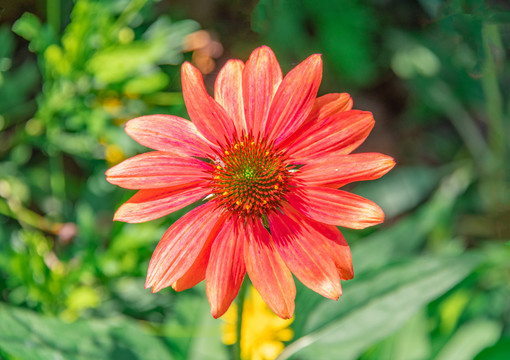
[199,332]
[28,26]
[27,335]
[498,351]
[401,189]
[406,236]
[346,30]
[470,339]
[7,46]
[342,30]
[147,84]
[411,342]
[377,305]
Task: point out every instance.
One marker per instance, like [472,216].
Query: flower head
[262,332]
[266,156]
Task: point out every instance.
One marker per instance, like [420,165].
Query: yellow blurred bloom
[262,332]
[114,154]
[111,105]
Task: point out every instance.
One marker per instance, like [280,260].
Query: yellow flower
[114,154]
[262,332]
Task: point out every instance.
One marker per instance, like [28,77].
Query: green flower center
[250,177]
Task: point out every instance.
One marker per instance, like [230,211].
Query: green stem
[53,14]
[15,210]
[493,99]
[494,177]
[236,348]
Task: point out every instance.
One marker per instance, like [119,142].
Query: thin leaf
[375,306]
[27,335]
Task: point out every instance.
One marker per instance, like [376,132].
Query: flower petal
[338,170]
[329,237]
[323,108]
[156,169]
[339,134]
[196,273]
[228,91]
[181,244]
[152,204]
[294,99]
[226,269]
[328,105]
[261,77]
[169,133]
[311,264]
[336,207]
[208,116]
[268,272]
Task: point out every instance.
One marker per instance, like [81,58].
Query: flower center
[250,177]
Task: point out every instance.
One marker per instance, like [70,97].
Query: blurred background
[432,282]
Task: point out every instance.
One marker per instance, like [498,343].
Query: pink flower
[267,156]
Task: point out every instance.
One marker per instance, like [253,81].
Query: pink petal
[152,204]
[339,134]
[333,242]
[228,91]
[338,170]
[323,108]
[328,105]
[336,207]
[294,99]
[157,169]
[268,272]
[208,116]
[196,273]
[169,133]
[226,269]
[261,77]
[181,244]
[298,248]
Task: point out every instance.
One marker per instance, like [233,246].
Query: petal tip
[287,313]
[119,215]
[218,312]
[263,48]
[390,163]
[187,69]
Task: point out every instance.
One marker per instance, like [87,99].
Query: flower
[267,157]
[262,332]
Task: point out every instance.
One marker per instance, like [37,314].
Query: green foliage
[430,283]
[25,335]
[342,30]
[378,304]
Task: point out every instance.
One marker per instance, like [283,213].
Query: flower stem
[53,8]
[494,181]
[236,349]
[491,45]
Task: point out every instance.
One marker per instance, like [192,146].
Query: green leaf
[401,189]
[405,237]
[470,339]
[376,305]
[147,83]
[7,46]
[411,342]
[27,335]
[199,334]
[27,26]
[498,351]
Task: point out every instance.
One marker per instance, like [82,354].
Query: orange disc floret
[250,178]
